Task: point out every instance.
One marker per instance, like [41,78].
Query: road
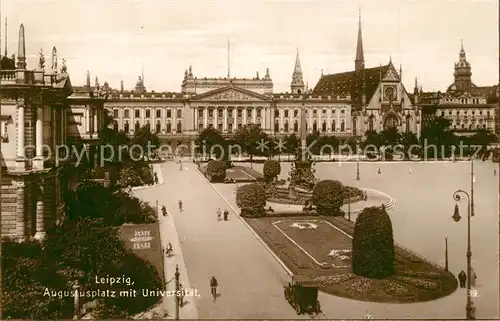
[250,279]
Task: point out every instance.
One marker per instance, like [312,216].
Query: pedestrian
[462,277]
[473,277]
[226,214]
[495,172]
[156,178]
[164,210]
[409,171]
[379,171]
[218,214]
[130,189]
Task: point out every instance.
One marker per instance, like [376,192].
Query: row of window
[137,126]
[464,112]
[137,113]
[470,126]
[464,100]
[324,128]
[296,112]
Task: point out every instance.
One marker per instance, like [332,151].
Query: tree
[328,197]
[372,244]
[372,143]
[216,170]
[271,170]
[210,141]
[437,133]
[408,140]
[483,138]
[251,199]
[250,138]
[144,138]
[291,144]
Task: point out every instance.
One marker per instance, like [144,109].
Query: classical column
[40,223]
[87,120]
[94,129]
[245,114]
[20,217]
[205,117]
[195,119]
[216,117]
[38,161]
[235,111]
[224,121]
[254,114]
[310,121]
[20,162]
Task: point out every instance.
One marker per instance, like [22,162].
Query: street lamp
[456,217]
[472,186]
[357,161]
[177,299]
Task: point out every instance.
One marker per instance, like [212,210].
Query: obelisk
[303,134]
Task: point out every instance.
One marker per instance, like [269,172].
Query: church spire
[5,37]
[359,63]
[297,84]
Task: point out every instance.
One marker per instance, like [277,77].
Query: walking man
[181,295]
[473,277]
[226,214]
[462,277]
[379,171]
[218,214]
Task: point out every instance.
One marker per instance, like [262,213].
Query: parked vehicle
[302,294]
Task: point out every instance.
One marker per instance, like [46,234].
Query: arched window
[276,127]
[342,126]
[158,126]
[315,126]
[115,125]
[126,128]
[295,126]
[354,125]
[137,126]
[286,126]
[323,127]
[334,127]
[407,123]
[370,123]
[169,126]
[179,127]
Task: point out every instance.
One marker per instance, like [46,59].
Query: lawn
[320,249]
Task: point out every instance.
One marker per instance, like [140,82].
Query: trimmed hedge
[373,252]
[216,171]
[271,170]
[327,197]
[251,199]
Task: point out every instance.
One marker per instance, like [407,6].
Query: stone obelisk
[303,135]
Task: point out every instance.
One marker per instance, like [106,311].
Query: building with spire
[227,104]
[376,97]
[469,107]
[33,122]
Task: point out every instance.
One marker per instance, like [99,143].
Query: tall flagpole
[228,59]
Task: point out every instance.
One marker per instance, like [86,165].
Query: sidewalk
[168,233]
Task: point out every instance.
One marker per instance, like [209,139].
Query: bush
[128,176]
[327,197]
[251,199]
[216,170]
[372,244]
[271,170]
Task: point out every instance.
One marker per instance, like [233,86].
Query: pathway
[250,280]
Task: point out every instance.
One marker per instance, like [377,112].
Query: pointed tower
[297,84]
[21,50]
[5,37]
[463,74]
[359,63]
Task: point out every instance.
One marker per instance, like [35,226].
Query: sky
[117,40]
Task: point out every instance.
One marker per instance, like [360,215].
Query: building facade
[33,122]
[467,106]
[376,96]
[228,104]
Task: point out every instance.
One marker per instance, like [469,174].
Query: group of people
[462,278]
[226,214]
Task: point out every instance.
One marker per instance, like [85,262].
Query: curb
[157,170]
[283,265]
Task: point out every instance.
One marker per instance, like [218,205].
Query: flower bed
[333,279]
[344,255]
[396,289]
[419,283]
[360,285]
[421,274]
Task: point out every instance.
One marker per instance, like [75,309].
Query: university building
[228,104]
[469,107]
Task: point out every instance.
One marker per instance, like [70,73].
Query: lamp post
[446,254]
[456,218]
[349,208]
[177,301]
[357,162]
[472,186]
